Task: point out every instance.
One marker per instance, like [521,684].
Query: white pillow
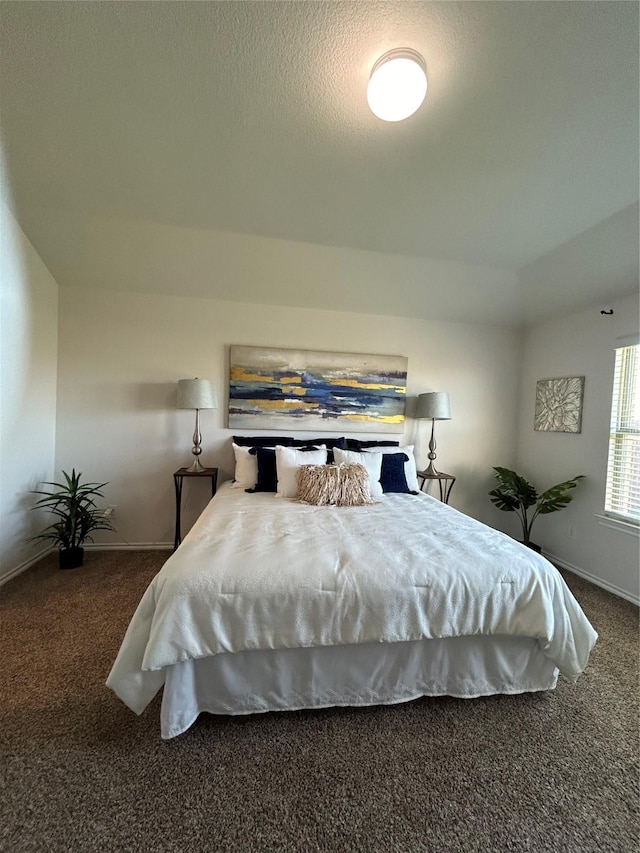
[288,460]
[371,461]
[410,470]
[246,475]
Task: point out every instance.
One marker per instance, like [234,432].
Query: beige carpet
[80,772]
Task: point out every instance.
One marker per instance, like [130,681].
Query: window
[622,498]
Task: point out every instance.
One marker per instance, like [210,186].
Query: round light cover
[398,84]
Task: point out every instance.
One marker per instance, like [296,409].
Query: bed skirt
[355,675]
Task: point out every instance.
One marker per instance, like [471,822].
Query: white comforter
[260,572]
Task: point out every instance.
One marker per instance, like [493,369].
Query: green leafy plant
[74,505]
[515,494]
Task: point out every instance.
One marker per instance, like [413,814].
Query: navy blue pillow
[267,477]
[392,476]
[262,440]
[356,444]
[329,443]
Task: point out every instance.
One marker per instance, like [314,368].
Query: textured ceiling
[251,117]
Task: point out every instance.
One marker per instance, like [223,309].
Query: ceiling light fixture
[398,84]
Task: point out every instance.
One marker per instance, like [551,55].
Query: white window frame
[624,426]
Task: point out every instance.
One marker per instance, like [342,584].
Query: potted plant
[515,494]
[74,505]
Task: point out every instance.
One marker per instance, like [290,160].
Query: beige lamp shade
[434,405]
[197,394]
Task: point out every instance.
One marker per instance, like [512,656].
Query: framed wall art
[290,389]
[559,404]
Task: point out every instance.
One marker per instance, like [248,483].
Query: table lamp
[196,394]
[434,405]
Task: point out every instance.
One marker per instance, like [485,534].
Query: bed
[273,604]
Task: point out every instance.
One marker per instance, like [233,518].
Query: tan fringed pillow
[334,485]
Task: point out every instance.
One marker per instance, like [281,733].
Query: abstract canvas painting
[308,390]
[559,404]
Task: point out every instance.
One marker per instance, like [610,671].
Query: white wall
[28,364]
[599,264]
[121,355]
[125,254]
[581,344]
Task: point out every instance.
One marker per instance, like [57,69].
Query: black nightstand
[445,483]
[178,477]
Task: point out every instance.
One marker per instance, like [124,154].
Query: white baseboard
[128,546]
[17,570]
[610,587]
